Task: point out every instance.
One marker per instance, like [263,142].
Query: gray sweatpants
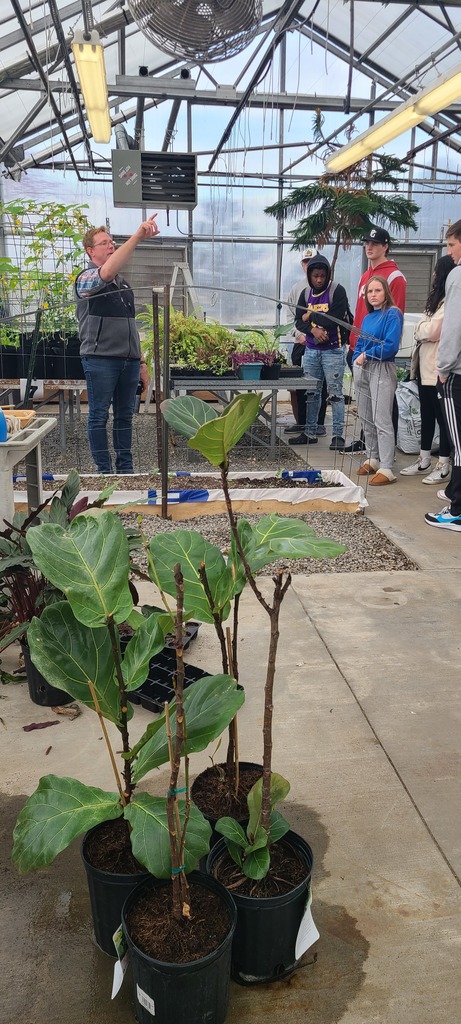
[375,385]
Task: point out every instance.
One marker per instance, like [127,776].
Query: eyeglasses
[110,241]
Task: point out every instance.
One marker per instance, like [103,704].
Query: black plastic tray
[159,686]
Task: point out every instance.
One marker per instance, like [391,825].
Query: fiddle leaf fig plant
[251,547]
[76,645]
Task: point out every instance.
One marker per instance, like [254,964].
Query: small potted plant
[265,942]
[258,346]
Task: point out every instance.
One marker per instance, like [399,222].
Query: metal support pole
[157,375]
[166,394]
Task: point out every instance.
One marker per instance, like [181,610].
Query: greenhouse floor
[367,730]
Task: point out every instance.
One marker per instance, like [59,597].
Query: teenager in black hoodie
[324,355]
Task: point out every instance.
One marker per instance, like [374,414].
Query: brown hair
[388,300]
[454,231]
[88,239]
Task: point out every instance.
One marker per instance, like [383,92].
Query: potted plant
[267,847]
[24,591]
[256,346]
[197,347]
[76,644]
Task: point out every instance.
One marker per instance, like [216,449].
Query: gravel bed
[368,549]
[248,453]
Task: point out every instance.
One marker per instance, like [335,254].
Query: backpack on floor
[409,425]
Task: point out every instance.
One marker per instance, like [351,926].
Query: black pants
[431,410]
[451,392]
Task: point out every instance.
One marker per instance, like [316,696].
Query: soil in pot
[210,791]
[108,848]
[287,870]
[153,929]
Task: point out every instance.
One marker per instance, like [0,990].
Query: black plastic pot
[291,371]
[64,358]
[108,893]
[265,937]
[271,372]
[40,691]
[190,993]
[10,363]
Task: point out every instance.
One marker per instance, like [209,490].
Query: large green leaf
[69,654]
[209,705]
[278,827]
[279,790]
[191,550]
[13,634]
[231,830]
[150,839]
[89,562]
[58,812]
[187,414]
[257,864]
[216,438]
[274,538]
[148,640]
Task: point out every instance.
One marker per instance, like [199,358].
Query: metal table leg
[33,462]
[71,393]
[62,421]
[273,417]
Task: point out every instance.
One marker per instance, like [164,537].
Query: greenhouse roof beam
[288,13]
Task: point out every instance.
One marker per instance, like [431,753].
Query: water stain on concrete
[52,972]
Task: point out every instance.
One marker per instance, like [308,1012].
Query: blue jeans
[328,364]
[111,380]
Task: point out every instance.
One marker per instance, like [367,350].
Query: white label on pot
[145,1000]
[120,967]
[307,933]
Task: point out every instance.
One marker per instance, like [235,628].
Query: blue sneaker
[444,520]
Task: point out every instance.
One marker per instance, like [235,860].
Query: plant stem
[279,593]
[108,744]
[178,834]
[233,726]
[115,643]
[233,526]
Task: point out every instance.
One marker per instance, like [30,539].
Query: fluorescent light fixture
[438,96]
[91,69]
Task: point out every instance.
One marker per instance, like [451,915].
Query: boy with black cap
[377,241]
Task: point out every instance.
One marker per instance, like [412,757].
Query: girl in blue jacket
[375,379]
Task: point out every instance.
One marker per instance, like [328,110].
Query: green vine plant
[213,586]
[44,255]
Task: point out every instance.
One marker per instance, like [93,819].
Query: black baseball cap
[379,235]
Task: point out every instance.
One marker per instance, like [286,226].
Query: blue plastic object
[3,427]
[312,476]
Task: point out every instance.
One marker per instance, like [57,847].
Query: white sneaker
[442,496]
[440,472]
[416,467]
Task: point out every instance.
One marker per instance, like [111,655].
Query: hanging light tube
[89,62]
[434,98]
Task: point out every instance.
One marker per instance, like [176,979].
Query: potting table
[225,389]
[59,388]
[25,445]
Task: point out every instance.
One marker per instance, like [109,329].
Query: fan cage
[201,30]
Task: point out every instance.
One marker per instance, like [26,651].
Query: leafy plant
[340,208]
[194,343]
[213,586]
[24,591]
[76,645]
[39,273]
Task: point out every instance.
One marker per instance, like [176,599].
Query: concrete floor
[367,721]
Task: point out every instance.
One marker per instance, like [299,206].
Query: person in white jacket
[424,371]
